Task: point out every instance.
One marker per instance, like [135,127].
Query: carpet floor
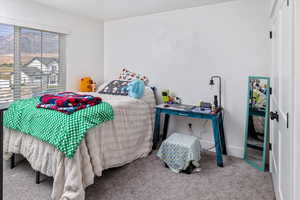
[148,179]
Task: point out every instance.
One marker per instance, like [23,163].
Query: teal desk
[217,123]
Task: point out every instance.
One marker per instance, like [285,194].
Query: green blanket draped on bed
[63,131]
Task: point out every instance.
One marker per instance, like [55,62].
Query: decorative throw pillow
[136,89]
[116,87]
[127,75]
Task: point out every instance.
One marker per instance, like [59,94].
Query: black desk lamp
[211,83]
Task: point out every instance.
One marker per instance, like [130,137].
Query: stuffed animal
[86,84]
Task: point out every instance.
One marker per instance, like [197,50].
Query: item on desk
[216,104]
[205,105]
[214,108]
[212,83]
[181,107]
[177,100]
[198,109]
[169,98]
[165,96]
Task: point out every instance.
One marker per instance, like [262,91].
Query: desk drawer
[178,113]
[187,114]
[183,114]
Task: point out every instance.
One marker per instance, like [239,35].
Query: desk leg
[222,134]
[166,126]
[156,130]
[217,139]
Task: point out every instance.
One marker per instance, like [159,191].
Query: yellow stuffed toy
[86,84]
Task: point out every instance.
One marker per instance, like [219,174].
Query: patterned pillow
[127,75]
[116,87]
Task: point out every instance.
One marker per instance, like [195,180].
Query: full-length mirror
[257,122]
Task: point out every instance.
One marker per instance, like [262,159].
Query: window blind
[32,62]
[6,62]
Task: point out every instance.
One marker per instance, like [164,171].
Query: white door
[282,102]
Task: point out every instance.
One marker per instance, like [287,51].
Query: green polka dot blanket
[63,131]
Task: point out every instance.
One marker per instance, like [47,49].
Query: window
[31,62]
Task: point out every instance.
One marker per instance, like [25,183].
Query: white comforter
[111,144]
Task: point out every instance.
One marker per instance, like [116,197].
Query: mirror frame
[263,166]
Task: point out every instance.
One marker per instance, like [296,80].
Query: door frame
[274,169]
[296,61]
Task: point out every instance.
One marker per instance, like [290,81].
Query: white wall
[84,44]
[180,49]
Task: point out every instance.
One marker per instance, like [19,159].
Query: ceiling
[116,9]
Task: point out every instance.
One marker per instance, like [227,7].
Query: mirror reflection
[257,121]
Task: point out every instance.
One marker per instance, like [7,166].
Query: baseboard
[231,150]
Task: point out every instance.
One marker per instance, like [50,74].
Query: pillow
[136,89]
[127,75]
[116,87]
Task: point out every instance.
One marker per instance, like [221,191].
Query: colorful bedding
[64,132]
[67,99]
[66,110]
[67,102]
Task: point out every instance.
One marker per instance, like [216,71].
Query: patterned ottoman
[180,150]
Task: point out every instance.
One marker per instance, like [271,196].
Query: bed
[111,144]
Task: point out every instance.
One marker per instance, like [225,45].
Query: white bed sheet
[111,144]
